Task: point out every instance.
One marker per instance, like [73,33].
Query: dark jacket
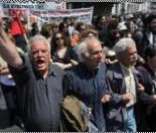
[147,114]
[38,98]
[116,109]
[89,87]
[142,41]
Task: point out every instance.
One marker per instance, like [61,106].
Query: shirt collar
[52,70]
[126,70]
[87,71]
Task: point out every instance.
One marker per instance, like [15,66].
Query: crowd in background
[111,32]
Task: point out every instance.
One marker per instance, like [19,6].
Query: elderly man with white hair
[39,83]
[87,80]
[124,88]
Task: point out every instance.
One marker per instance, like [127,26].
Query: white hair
[82,49]
[123,44]
[38,38]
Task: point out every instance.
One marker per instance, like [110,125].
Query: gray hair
[82,49]
[123,44]
[38,38]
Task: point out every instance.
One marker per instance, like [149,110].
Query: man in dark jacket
[124,88]
[147,76]
[87,80]
[147,37]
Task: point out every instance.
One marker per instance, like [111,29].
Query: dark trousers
[7,115]
[4,119]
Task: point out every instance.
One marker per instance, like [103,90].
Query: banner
[132,7]
[28,5]
[47,5]
[127,7]
[83,14]
[153,7]
[55,5]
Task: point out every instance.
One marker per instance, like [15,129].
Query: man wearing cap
[122,30]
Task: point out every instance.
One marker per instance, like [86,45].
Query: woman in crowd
[59,50]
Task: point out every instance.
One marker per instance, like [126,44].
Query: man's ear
[83,56]
[50,55]
[86,55]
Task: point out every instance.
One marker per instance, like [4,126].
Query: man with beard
[39,83]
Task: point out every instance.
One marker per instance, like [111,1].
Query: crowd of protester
[110,65]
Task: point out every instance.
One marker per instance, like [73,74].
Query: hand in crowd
[74,62]
[154,98]
[141,87]
[4,70]
[108,61]
[106,98]
[127,97]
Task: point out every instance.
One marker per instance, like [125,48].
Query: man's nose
[135,56]
[39,53]
[100,55]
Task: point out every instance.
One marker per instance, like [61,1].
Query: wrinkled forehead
[94,45]
[38,44]
[131,47]
[131,50]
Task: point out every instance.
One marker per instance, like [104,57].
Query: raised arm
[8,49]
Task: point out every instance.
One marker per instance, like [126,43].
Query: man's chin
[95,66]
[40,69]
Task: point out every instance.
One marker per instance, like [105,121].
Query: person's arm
[8,50]
[115,98]
[4,70]
[146,95]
